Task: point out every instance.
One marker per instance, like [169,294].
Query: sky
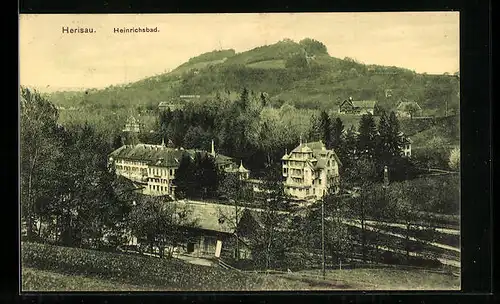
[51,60]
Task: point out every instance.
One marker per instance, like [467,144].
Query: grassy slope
[53,268]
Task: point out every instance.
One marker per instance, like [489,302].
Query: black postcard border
[476,157]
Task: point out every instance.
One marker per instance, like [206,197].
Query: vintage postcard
[240,152]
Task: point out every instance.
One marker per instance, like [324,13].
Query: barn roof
[213,217]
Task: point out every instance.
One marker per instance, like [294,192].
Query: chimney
[213,148]
[350,98]
[300,140]
[163,142]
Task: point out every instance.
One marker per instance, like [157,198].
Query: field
[53,268]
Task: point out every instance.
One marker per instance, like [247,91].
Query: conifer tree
[383,143]
[395,139]
[366,143]
[337,133]
[183,177]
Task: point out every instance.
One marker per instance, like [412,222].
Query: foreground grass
[390,279]
[41,280]
[53,268]
[96,271]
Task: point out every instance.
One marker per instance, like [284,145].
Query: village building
[165,105]
[406,148]
[309,170]
[214,225]
[133,125]
[408,109]
[153,167]
[358,107]
[242,172]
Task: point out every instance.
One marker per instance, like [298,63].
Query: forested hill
[300,73]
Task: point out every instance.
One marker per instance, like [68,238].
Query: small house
[406,145]
[358,107]
[133,125]
[215,225]
[164,105]
[408,109]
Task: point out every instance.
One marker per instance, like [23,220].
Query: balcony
[296,175]
[296,185]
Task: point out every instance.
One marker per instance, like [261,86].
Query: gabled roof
[318,150]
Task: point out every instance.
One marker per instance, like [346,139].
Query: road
[444,261]
[442,230]
[358,224]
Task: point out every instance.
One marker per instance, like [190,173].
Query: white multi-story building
[309,170]
[153,167]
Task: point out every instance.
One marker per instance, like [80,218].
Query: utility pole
[323,234]
[446,110]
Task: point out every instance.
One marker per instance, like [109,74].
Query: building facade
[309,170]
[406,148]
[153,167]
[133,125]
[214,223]
[164,106]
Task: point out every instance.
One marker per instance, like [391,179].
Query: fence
[226,266]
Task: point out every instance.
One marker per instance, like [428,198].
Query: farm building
[214,223]
[358,107]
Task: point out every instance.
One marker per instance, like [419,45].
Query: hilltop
[299,73]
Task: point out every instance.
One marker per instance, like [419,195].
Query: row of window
[130,163]
[307,190]
[294,163]
[296,180]
[158,188]
[158,180]
[317,181]
[161,171]
[295,171]
[131,169]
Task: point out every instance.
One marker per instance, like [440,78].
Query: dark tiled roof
[364,104]
[161,156]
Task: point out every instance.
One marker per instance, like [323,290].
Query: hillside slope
[302,73]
